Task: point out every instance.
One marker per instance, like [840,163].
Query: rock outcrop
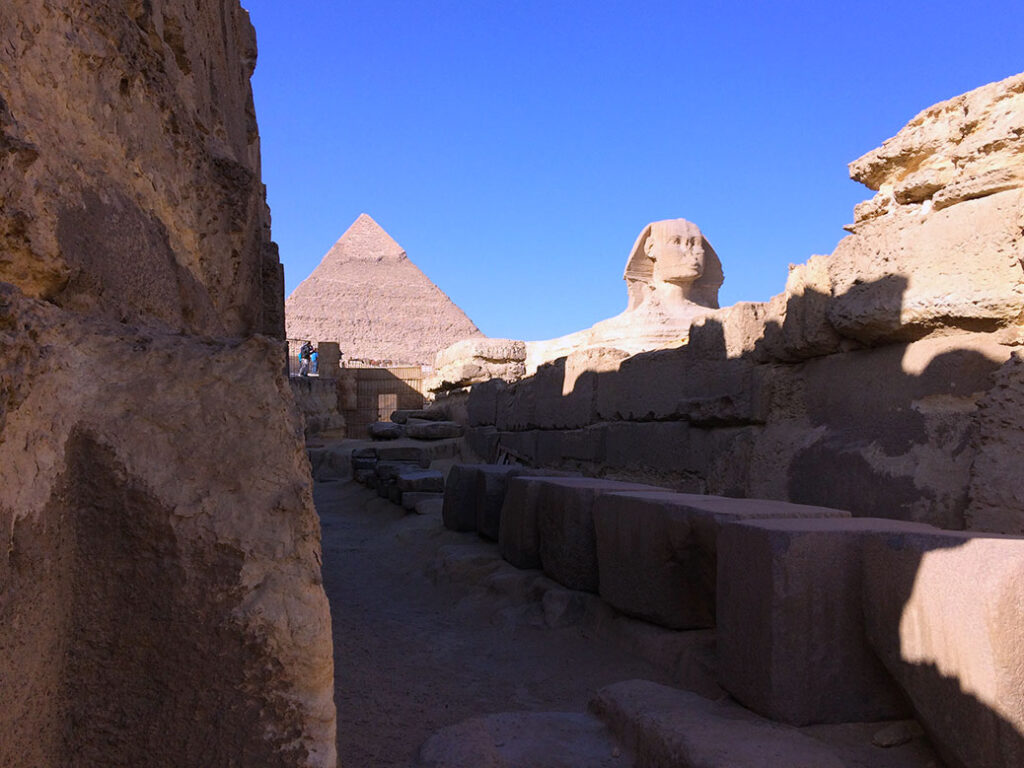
[367,295]
[160,592]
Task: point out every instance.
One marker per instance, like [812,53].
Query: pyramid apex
[365,240]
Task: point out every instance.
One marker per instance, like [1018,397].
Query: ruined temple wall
[161,600]
[884,380]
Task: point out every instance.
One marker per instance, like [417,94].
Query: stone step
[792,644]
[669,728]
[657,552]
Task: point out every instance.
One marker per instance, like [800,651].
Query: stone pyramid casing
[369,297]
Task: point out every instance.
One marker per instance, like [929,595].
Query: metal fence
[380,392]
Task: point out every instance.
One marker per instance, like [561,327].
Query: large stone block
[657,446]
[943,612]
[657,552]
[670,728]
[565,527]
[791,636]
[996,497]
[461,496]
[482,405]
[903,275]
[433,430]
[423,481]
[666,384]
[492,484]
[517,534]
[903,450]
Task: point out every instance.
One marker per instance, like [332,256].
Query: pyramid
[369,297]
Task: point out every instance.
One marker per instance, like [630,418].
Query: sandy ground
[414,654]
[412,657]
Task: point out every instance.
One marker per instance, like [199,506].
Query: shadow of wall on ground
[845,421]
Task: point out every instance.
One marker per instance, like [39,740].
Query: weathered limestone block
[414,454]
[433,430]
[661,447]
[317,400]
[152,528]
[154,100]
[391,469]
[476,360]
[423,414]
[906,274]
[996,497]
[968,146]
[666,727]
[943,613]
[668,384]
[161,600]
[565,527]
[329,360]
[460,497]
[797,326]
[657,552]
[534,402]
[385,430]
[492,484]
[518,536]
[732,331]
[902,450]
[791,636]
[422,481]
[482,405]
[482,443]
[585,369]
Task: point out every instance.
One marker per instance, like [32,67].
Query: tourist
[314,358]
[305,352]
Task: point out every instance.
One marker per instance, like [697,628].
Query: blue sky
[515,149]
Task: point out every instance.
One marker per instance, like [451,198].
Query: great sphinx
[672,278]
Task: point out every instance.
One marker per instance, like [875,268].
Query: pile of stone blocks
[820,617]
[400,474]
[419,424]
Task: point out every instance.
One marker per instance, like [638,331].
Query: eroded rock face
[131,181]
[160,594]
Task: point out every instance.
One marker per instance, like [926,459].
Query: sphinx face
[677,250]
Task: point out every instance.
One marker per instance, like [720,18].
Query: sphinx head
[672,258]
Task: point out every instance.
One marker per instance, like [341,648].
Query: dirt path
[413,656]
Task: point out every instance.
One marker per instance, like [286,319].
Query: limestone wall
[884,380]
[160,592]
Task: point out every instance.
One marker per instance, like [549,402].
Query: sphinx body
[672,277]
